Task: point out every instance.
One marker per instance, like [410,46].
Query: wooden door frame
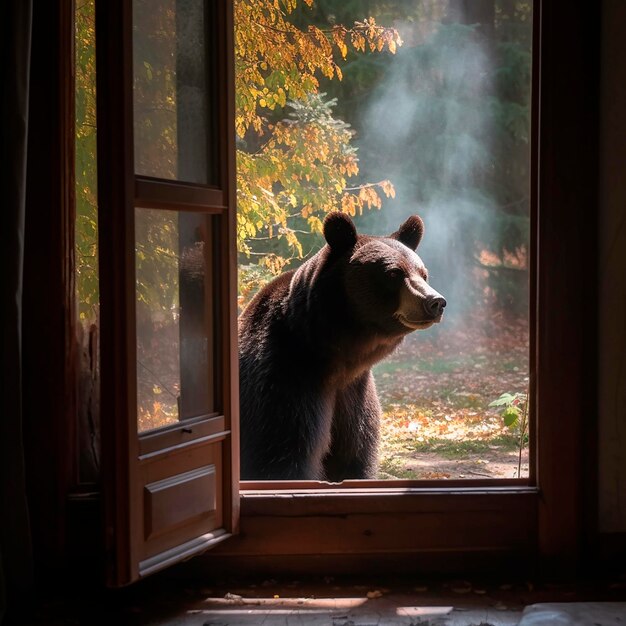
[116,166]
[49,376]
[550,523]
[563,507]
[567,345]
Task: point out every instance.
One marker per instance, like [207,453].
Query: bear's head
[385,281]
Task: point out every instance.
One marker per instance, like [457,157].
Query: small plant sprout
[514,413]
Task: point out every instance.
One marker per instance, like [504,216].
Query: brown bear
[307,342]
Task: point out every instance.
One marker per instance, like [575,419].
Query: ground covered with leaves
[435,391]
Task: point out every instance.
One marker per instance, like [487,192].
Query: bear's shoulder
[269,301]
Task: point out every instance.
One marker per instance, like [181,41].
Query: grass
[394,467]
[451,449]
[432,365]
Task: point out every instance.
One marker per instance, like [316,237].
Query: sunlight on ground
[435,392]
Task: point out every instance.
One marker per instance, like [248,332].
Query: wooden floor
[326,602]
[357,610]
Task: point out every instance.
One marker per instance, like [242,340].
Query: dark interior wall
[612,270]
[48,510]
[48,308]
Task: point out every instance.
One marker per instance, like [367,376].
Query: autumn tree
[294,159]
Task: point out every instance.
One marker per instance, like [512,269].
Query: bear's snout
[420,304]
[434,306]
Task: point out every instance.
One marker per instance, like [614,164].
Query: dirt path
[432,465]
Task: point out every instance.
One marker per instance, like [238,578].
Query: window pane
[175,352]
[440,123]
[172,90]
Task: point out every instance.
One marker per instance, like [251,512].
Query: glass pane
[172,90]
[439,118]
[86,242]
[175,352]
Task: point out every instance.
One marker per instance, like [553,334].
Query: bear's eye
[395,274]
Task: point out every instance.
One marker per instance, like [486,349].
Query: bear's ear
[339,231]
[410,233]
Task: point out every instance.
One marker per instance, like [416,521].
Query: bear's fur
[307,341]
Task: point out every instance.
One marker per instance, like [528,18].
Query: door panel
[168,281]
[175,437]
[178,499]
[181,496]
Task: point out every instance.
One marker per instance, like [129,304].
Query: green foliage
[508,399]
[300,174]
[85,172]
[514,413]
[294,157]
[513,408]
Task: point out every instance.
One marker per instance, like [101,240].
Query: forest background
[380,109]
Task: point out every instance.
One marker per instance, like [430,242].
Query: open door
[166,178]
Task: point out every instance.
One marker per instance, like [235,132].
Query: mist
[430,127]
